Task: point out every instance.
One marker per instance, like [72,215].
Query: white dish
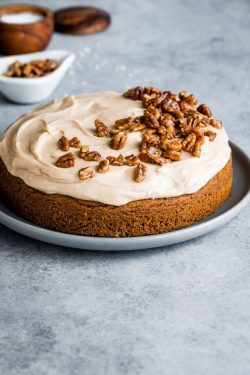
[32,90]
[232,207]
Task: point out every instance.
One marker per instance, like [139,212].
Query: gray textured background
[181,310]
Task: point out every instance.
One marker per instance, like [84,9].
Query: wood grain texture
[81,20]
[25,38]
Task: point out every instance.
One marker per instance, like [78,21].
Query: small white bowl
[32,90]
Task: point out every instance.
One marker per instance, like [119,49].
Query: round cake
[106,164]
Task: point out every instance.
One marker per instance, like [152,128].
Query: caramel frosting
[29,149]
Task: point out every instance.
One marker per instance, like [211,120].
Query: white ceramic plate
[232,207]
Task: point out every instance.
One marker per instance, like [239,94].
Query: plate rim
[93,243]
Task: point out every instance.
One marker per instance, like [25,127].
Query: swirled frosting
[29,150]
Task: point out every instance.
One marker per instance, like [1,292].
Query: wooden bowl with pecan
[19,37]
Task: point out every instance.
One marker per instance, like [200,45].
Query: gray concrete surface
[180,310]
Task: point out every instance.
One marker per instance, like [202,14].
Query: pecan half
[148,157]
[205,110]
[169,105]
[123,123]
[103,166]
[151,100]
[66,161]
[189,142]
[83,150]
[92,156]
[153,90]
[135,93]
[140,173]
[116,162]
[177,114]
[137,127]
[172,155]
[75,142]
[184,94]
[211,135]
[151,110]
[199,129]
[63,143]
[188,98]
[149,138]
[132,160]
[86,173]
[170,95]
[186,106]
[167,122]
[118,140]
[113,132]
[101,130]
[216,123]
[197,146]
[151,121]
[171,144]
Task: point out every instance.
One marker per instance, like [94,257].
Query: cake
[112,165]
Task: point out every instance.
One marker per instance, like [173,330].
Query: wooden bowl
[25,38]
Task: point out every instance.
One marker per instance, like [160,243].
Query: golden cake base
[88,218]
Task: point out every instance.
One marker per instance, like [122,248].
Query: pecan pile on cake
[105,164]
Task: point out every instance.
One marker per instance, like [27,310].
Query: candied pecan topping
[123,123]
[116,162]
[170,95]
[101,130]
[63,143]
[162,130]
[150,138]
[172,155]
[86,173]
[137,127]
[135,93]
[170,123]
[197,146]
[205,110]
[83,150]
[148,157]
[140,173]
[186,106]
[171,144]
[151,121]
[132,160]
[118,140]
[216,123]
[185,125]
[151,110]
[103,166]
[75,142]
[92,156]
[211,135]
[199,129]
[184,94]
[66,161]
[169,105]
[177,114]
[153,90]
[113,132]
[153,99]
[189,142]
